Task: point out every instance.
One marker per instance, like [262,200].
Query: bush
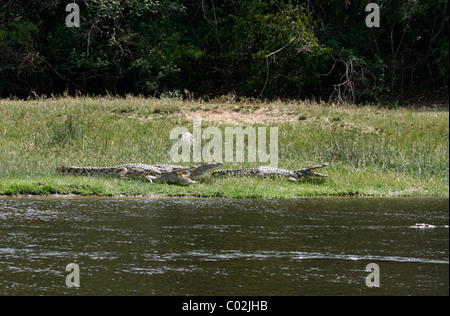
[257,48]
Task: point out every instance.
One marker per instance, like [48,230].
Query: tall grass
[370,150]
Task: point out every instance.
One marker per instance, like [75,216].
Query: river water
[314,246]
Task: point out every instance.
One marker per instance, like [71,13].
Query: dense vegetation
[255,48]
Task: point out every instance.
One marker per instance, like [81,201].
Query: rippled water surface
[317,246]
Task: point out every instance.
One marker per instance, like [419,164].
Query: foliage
[257,48]
[408,53]
[19,57]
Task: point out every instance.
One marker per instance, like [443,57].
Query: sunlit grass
[371,151]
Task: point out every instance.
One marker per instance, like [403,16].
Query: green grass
[371,151]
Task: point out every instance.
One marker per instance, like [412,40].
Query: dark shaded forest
[262,49]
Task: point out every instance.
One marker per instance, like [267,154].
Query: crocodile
[161,172]
[133,171]
[292,175]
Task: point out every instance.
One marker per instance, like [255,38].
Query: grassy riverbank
[371,151]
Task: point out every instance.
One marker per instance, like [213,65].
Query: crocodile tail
[80,170]
[62,169]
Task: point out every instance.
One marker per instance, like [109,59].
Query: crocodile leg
[121,172]
[150,178]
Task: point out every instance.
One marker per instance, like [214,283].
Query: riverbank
[371,151]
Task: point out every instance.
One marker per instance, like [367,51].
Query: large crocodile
[161,172]
[134,171]
[292,175]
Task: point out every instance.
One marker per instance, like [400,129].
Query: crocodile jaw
[183,180]
[177,177]
[310,172]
